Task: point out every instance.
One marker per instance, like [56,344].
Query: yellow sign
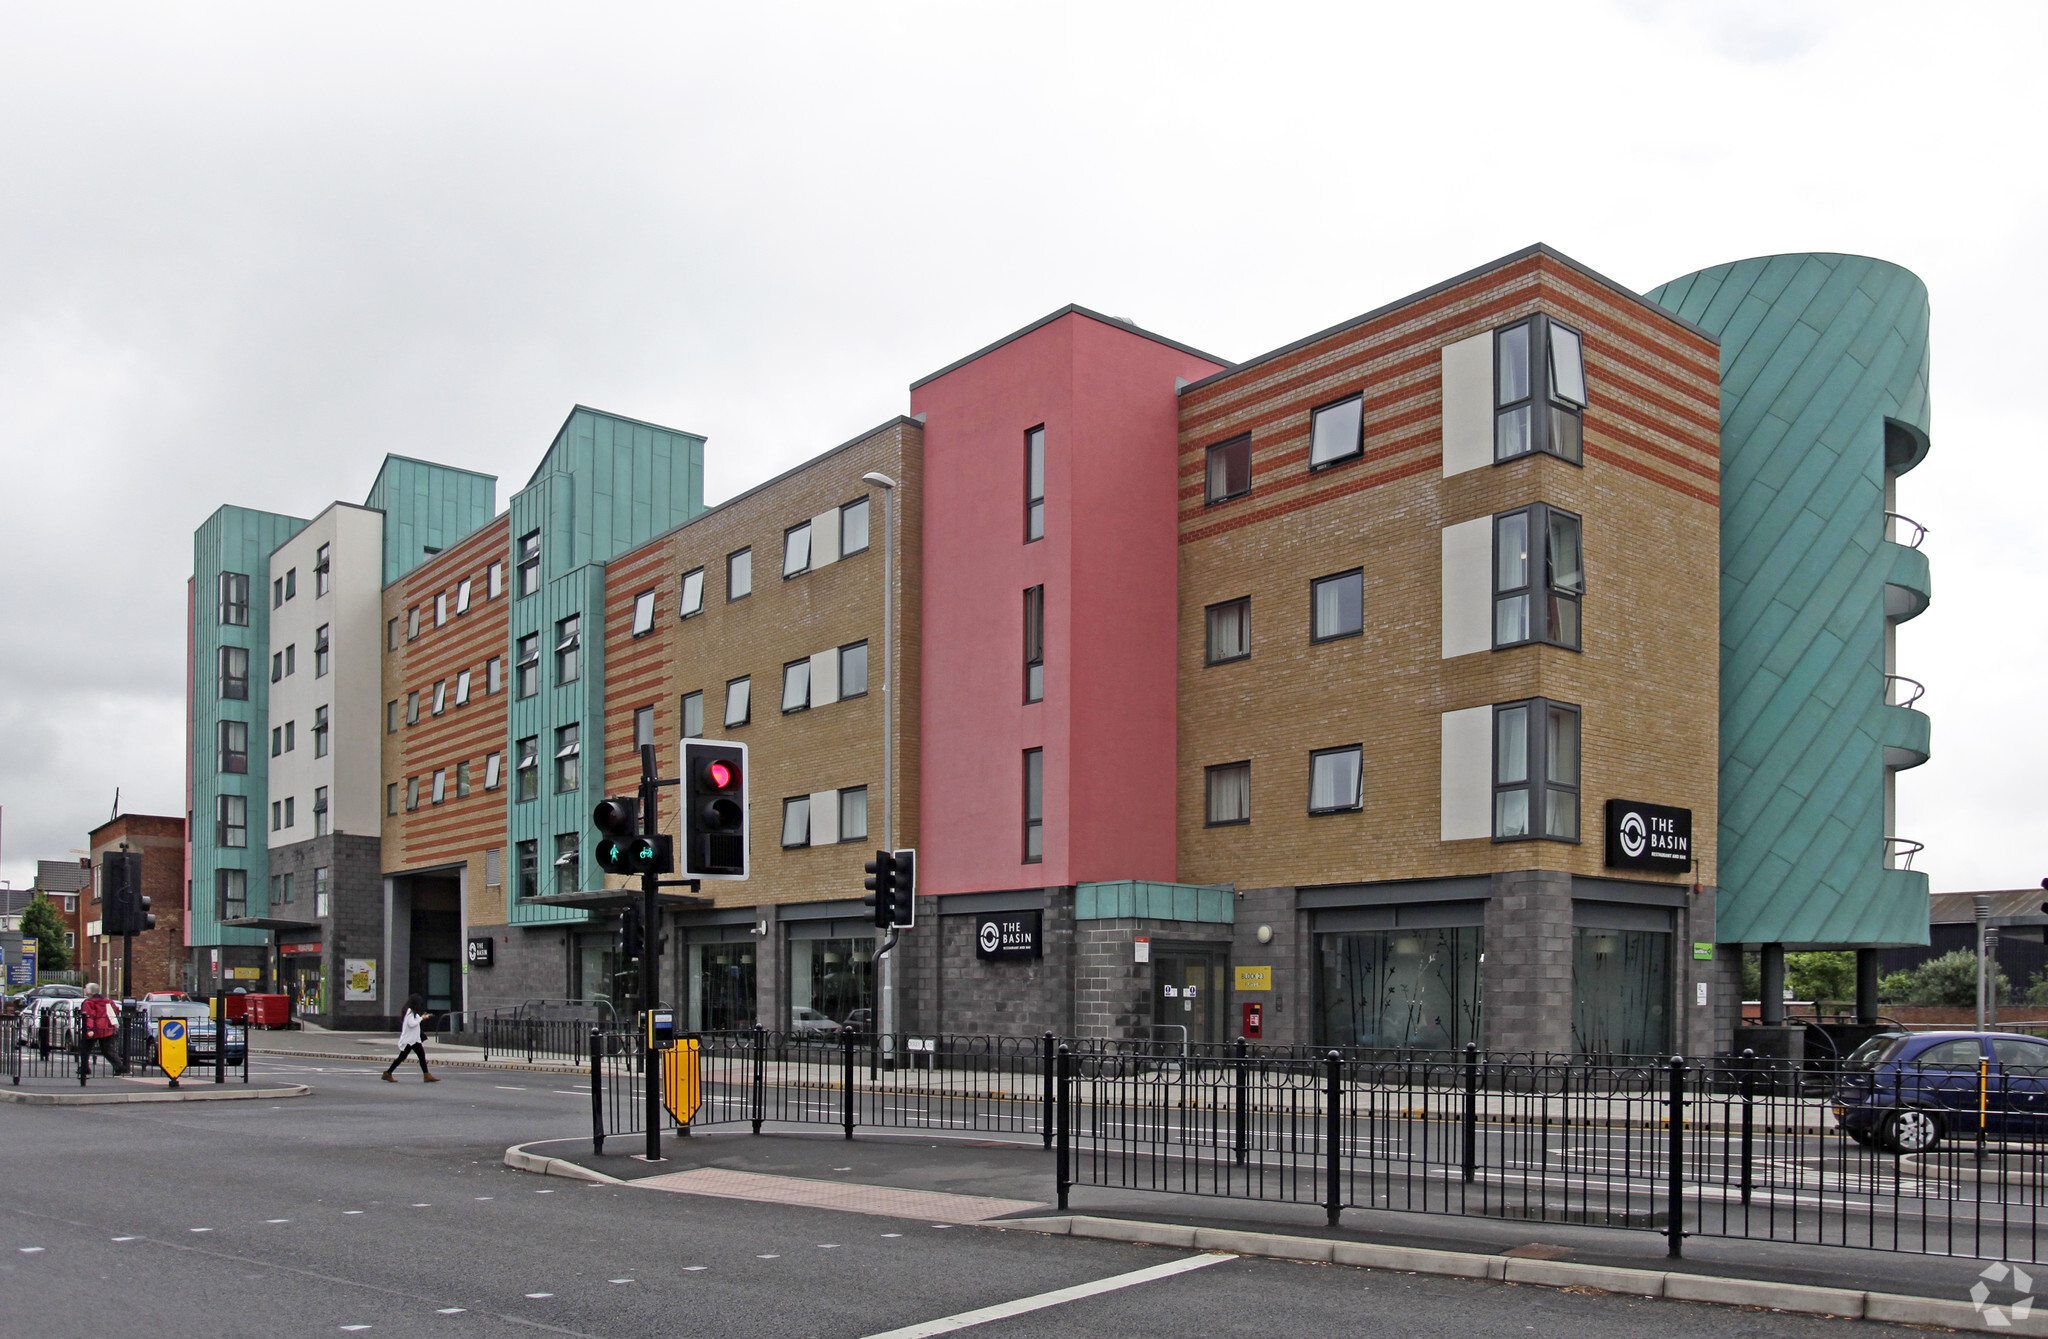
[1254,978]
[170,1046]
[682,1089]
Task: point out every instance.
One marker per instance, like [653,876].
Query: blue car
[1906,1094]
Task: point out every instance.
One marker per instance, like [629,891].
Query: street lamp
[886,1022]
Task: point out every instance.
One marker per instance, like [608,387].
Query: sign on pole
[681,1087]
[170,1047]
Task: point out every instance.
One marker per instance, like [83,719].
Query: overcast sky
[247,250]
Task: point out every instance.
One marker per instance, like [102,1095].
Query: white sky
[244,251]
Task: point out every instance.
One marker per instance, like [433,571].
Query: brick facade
[158,956]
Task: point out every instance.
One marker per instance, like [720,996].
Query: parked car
[25,1002]
[56,1008]
[805,1021]
[1906,1093]
[861,1020]
[199,1031]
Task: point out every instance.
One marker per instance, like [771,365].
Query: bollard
[760,1076]
[1333,1136]
[846,1084]
[1243,1142]
[1748,1122]
[596,1091]
[1046,1083]
[1471,1151]
[1675,1194]
[1062,1165]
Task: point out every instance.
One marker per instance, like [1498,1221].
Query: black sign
[480,951]
[1649,836]
[1013,934]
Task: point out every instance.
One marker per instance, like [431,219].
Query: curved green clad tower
[1823,405]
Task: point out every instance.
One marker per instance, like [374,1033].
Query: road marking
[122,1238]
[30,1250]
[828,1245]
[277,1220]
[484,1197]
[1005,1310]
[355,1327]
[199,1229]
[350,1212]
[505,1088]
[758,1257]
[695,1269]
[422,1206]
[543,1192]
[892,1234]
[540,1294]
[622,1280]
[449,1310]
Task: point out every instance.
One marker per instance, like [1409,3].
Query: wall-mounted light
[1265,934]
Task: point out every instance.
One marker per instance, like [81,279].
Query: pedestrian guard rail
[53,1045]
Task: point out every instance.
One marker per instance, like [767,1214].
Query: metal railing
[52,1047]
[515,1033]
[1901,848]
[1898,686]
[1897,524]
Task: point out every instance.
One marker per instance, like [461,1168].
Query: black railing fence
[1928,1159]
[49,1046]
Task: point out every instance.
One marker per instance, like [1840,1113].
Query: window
[277,593]
[391,798]
[1229,631]
[1539,390]
[853,527]
[440,785]
[291,732]
[529,562]
[526,664]
[321,569]
[319,811]
[276,666]
[1230,469]
[643,726]
[231,821]
[643,613]
[291,583]
[739,702]
[391,717]
[234,673]
[462,780]
[739,574]
[1229,787]
[440,696]
[796,685]
[286,889]
[412,793]
[1034,644]
[1034,806]
[568,758]
[853,814]
[1339,606]
[691,602]
[412,708]
[493,762]
[1533,603]
[231,893]
[527,857]
[1333,780]
[320,652]
[276,741]
[494,675]
[319,732]
[291,660]
[234,599]
[391,634]
[853,670]
[320,906]
[412,624]
[568,649]
[234,747]
[440,608]
[1535,771]
[291,804]
[496,584]
[277,815]
[568,862]
[1034,484]
[1337,432]
[796,821]
[693,715]
[526,770]
[796,550]
[462,688]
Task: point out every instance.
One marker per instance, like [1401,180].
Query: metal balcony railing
[1897,524]
[1901,691]
[1899,852]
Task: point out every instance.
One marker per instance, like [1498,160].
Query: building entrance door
[440,986]
[1188,994]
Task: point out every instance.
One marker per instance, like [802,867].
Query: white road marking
[422,1206]
[350,1212]
[277,1220]
[540,1294]
[30,1250]
[767,1257]
[199,1229]
[892,1234]
[485,1197]
[543,1192]
[505,1088]
[355,1327]
[828,1245]
[123,1238]
[695,1269]
[1005,1310]
[449,1310]
[622,1280]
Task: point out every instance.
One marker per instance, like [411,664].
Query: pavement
[386,1209]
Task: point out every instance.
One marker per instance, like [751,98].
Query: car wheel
[1912,1131]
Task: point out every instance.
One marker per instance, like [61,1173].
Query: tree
[40,923]
[1822,976]
[1949,981]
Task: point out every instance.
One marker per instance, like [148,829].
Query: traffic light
[892,875]
[631,941]
[622,848]
[124,910]
[714,810]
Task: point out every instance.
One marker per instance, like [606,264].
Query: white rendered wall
[1467,795]
[1468,404]
[1468,587]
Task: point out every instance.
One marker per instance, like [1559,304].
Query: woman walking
[409,1039]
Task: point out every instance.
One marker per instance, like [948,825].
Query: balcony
[1907,589]
[1899,852]
[1907,731]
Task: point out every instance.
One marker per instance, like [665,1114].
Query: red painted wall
[1109,565]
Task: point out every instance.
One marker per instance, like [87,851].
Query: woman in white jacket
[409,1039]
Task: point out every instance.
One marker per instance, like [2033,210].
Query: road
[383,1209]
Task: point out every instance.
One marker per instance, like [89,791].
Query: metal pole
[1471,1150]
[846,1081]
[596,1091]
[1243,1140]
[1051,1061]
[1333,1136]
[1063,1159]
[1674,1204]
[650,979]
[1866,985]
[220,1032]
[760,1076]
[1983,908]
[1748,1123]
[886,987]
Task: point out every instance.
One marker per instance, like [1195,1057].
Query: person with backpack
[409,1040]
[101,1027]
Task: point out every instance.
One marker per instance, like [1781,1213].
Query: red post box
[1254,1020]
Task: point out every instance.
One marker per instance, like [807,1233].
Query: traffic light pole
[650,957]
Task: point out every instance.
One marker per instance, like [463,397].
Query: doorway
[440,985]
[1188,994]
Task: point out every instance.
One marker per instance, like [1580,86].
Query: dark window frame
[1314,584]
[1357,451]
[651,597]
[1209,493]
[866,825]
[231,761]
[568,649]
[233,687]
[1547,427]
[867,676]
[1209,656]
[1358,804]
[569,750]
[748,554]
[1537,782]
[683,715]
[526,869]
[1034,503]
[810,550]
[783,835]
[526,769]
[323,568]
[1034,822]
[788,710]
[223,825]
[233,600]
[1034,643]
[683,588]
[867,526]
[1209,793]
[746,717]
[526,666]
[526,566]
[1538,589]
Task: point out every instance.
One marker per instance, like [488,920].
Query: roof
[2010,906]
[62,876]
[1071,309]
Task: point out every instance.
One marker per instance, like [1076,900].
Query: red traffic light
[721,775]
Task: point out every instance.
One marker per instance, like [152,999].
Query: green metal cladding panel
[427,506]
[1138,899]
[628,482]
[233,539]
[1818,351]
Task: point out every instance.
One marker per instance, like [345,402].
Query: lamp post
[1982,903]
[886,987]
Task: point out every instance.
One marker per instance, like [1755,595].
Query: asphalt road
[384,1209]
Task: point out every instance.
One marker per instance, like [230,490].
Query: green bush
[1949,981]
[40,923]
[1828,977]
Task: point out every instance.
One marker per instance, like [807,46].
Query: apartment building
[157,958]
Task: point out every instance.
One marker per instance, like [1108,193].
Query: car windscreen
[1874,1050]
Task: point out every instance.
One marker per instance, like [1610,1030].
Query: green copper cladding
[1823,404]
[427,508]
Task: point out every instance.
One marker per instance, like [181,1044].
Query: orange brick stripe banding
[1356,483]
